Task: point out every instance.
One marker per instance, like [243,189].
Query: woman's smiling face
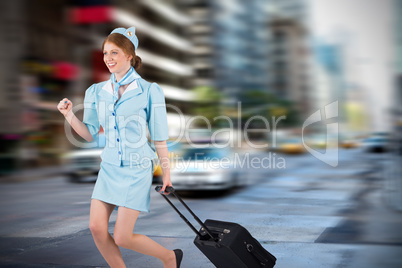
[115,59]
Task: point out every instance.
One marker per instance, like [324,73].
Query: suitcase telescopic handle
[170,190]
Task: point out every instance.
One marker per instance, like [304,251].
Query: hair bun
[137,63]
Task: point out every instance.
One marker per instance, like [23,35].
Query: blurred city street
[286,116]
[307,214]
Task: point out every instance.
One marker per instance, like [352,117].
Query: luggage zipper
[255,253]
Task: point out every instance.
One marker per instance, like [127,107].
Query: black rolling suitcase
[225,244]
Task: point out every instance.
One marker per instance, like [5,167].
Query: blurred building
[230,45]
[290,56]
[393,171]
[165,48]
[397,97]
[54,51]
[328,73]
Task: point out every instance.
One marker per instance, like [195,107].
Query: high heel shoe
[179,256]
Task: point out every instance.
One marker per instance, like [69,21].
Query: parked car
[316,141]
[291,145]
[349,143]
[376,144]
[175,150]
[204,169]
[324,141]
[83,164]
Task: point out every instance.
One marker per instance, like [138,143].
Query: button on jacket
[125,122]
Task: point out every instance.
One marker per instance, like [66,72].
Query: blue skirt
[125,186]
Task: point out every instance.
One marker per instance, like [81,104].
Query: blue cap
[129,33]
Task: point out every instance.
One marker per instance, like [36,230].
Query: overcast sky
[366,29]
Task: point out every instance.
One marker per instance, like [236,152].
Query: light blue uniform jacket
[125,122]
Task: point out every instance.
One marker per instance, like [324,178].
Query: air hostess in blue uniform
[125,106]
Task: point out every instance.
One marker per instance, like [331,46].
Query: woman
[124,106]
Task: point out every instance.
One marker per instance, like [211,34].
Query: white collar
[109,88]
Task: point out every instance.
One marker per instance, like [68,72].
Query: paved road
[307,215]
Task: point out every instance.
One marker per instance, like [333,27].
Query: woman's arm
[163,155]
[65,107]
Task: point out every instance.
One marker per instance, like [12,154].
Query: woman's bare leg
[98,224]
[124,237]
